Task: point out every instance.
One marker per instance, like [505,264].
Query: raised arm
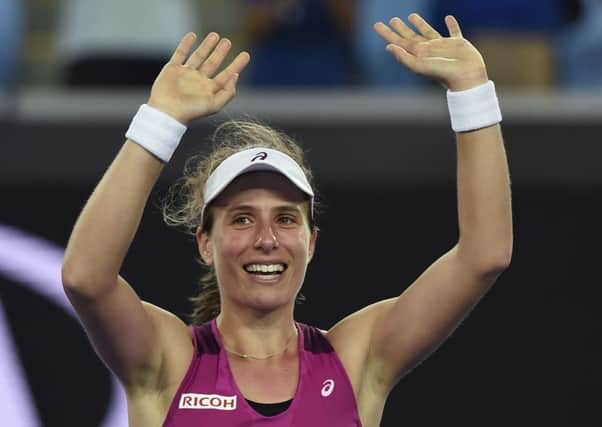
[396,334]
[131,336]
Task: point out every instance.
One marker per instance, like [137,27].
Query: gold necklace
[269,356]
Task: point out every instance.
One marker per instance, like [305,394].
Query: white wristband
[156,131]
[474,108]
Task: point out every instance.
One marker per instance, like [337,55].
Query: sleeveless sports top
[208,395]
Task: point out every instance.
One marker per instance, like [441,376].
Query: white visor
[253,160]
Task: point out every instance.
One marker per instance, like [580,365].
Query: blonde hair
[184,202]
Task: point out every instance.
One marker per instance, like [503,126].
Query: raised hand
[453,61]
[189,85]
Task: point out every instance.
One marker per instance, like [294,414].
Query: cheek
[301,242]
[228,248]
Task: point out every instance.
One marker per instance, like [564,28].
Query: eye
[241,220]
[287,220]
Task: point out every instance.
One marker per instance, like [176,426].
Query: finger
[225,95]
[236,67]
[179,55]
[404,57]
[425,29]
[386,33]
[212,64]
[403,29]
[202,52]
[391,36]
[453,26]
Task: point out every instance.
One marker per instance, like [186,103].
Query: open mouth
[265,269]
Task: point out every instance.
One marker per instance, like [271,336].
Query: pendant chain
[269,356]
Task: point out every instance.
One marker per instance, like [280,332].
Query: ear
[205,246]
[312,244]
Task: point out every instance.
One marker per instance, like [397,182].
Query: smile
[265,269]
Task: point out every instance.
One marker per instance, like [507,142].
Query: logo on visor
[260,156]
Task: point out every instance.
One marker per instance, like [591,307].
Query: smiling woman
[186,202]
[244,360]
[261,227]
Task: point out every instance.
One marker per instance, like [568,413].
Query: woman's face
[260,243]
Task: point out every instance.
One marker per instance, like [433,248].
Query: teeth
[264,268]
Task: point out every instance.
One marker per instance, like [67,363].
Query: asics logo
[260,156]
[327,388]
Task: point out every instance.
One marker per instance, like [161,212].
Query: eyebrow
[249,208]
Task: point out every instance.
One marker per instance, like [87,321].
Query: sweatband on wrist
[156,132]
[474,108]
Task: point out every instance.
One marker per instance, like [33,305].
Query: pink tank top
[208,395]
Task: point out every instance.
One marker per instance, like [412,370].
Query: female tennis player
[244,361]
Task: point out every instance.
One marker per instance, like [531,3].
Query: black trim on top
[270,409]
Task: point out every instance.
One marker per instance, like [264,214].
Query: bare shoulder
[176,343]
[351,337]
[149,400]
[344,335]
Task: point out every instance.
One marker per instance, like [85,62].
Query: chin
[269,299]
[264,297]
[269,302]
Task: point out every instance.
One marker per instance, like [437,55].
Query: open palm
[452,61]
[189,85]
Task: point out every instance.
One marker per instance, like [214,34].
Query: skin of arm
[381,343]
[138,341]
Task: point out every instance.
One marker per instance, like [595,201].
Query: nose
[266,239]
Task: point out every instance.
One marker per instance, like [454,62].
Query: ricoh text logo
[207,401]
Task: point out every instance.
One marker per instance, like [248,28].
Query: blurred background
[73,72]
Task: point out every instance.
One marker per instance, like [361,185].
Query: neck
[257,337]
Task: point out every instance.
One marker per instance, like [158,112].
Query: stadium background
[384,163]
